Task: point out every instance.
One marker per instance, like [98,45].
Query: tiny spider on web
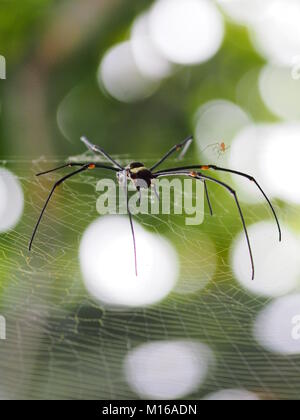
[136,171]
[219,149]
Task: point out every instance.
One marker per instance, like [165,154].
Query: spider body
[142,177]
[218,148]
[223,147]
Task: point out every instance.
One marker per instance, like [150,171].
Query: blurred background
[137,77]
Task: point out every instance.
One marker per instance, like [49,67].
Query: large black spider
[138,173]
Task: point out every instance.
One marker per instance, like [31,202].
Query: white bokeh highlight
[198,264]
[215,122]
[245,155]
[279,161]
[276,327]
[148,58]
[277,268]
[245,12]
[120,76]
[11,200]
[277,35]
[232,395]
[167,369]
[186,31]
[107,263]
[280,91]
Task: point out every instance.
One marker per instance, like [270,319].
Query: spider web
[61,343]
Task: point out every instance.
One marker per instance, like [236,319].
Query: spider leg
[207,198]
[130,221]
[252,179]
[140,195]
[98,149]
[209,146]
[134,241]
[71,164]
[54,169]
[83,167]
[200,176]
[182,146]
[218,168]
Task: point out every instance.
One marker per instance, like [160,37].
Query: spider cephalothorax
[143,177]
[140,175]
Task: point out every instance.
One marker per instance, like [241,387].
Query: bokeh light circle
[279,161]
[277,35]
[199,264]
[215,122]
[280,91]
[186,31]
[245,11]
[277,268]
[11,200]
[232,395]
[244,155]
[148,58]
[120,76]
[277,327]
[107,263]
[167,369]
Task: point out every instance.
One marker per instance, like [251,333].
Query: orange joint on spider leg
[92,166]
[193,174]
[205,168]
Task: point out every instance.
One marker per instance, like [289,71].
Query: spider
[136,171]
[219,149]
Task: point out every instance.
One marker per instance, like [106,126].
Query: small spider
[138,173]
[221,148]
[218,149]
